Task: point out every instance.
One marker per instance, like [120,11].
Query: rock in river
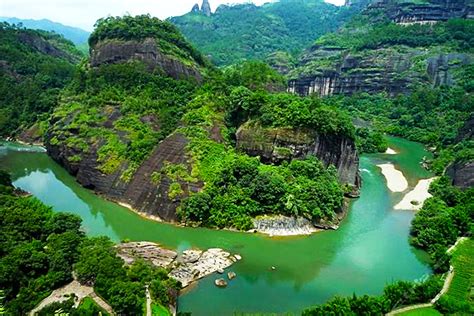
[220,282]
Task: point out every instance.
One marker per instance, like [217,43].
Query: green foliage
[122,286]
[254,75]
[458,298]
[443,218]
[395,295]
[244,188]
[246,32]
[287,110]
[140,27]
[124,108]
[428,115]
[37,251]
[369,141]
[453,33]
[30,77]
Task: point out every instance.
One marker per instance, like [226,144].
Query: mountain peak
[196,9]
[206,8]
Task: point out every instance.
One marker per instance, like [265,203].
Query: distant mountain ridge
[246,31]
[77,35]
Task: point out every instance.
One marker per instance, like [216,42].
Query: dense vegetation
[129,110]
[458,299]
[428,115]
[35,66]
[394,296]
[244,188]
[124,98]
[442,220]
[245,31]
[361,35]
[168,38]
[39,250]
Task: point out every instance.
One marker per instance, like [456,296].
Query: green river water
[368,251]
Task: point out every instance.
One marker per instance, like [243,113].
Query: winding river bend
[368,251]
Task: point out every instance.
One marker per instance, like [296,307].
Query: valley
[291,157]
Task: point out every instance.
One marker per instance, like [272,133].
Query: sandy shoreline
[418,195]
[396,181]
[390,151]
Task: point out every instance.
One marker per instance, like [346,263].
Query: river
[369,250]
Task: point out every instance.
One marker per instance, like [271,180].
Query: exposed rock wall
[382,70]
[43,46]
[141,193]
[147,51]
[462,174]
[389,68]
[279,144]
[429,12]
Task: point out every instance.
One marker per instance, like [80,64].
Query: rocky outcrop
[279,144]
[43,46]
[142,192]
[432,11]
[206,8]
[147,51]
[195,8]
[391,67]
[186,267]
[462,174]
[280,225]
[380,70]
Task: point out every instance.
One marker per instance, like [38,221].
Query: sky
[84,13]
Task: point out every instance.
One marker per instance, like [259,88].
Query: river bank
[414,199]
[357,258]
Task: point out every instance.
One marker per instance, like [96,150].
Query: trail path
[148,301]
[80,291]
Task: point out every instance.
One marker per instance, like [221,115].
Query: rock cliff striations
[360,58]
[275,145]
[147,51]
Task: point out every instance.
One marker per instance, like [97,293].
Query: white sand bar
[396,181]
[414,199]
[390,151]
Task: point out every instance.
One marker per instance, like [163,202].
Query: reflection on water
[369,250]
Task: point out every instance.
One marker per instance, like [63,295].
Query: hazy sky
[84,13]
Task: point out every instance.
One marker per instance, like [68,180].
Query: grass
[159,310]
[425,311]
[461,288]
[89,307]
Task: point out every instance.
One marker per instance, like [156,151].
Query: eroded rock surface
[147,51]
[280,144]
[187,267]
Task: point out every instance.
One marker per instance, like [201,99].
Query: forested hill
[34,67]
[74,34]
[246,31]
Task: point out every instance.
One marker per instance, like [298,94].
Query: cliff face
[462,172]
[337,65]
[147,191]
[407,12]
[279,144]
[147,51]
[384,69]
